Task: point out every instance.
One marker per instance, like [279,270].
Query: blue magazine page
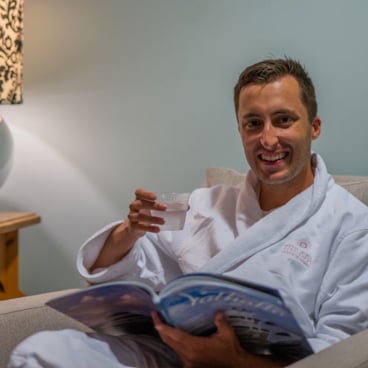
[259,316]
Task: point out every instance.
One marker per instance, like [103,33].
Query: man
[288,225]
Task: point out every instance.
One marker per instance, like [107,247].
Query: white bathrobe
[314,249]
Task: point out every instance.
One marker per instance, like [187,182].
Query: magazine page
[114,308]
[200,277]
[261,321]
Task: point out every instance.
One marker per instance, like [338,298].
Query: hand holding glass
[177,207]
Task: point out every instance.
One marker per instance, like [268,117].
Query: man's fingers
[136,217]
[168,332]
[146,195]
[143,204]
[220,320]
[222,324]
[149,199]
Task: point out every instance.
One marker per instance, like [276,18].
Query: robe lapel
[273,227]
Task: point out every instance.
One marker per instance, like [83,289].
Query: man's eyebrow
[284,111]
[250,115]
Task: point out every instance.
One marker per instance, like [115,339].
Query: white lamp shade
[6,151]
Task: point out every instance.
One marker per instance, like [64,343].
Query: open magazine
[259,316]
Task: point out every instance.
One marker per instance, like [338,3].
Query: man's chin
[273,182]
[274,179]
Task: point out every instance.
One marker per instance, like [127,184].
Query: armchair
[24,316]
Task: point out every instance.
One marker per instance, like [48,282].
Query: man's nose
[269,137]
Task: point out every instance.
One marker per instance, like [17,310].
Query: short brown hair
[268,71]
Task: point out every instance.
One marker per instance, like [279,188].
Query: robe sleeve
[342,304]
[146,261]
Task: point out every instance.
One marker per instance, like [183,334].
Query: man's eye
[253,124]
[285,120]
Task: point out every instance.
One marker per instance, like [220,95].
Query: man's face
[275,131]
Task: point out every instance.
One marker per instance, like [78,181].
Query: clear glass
[177,207]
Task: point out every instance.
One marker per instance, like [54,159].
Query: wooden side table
[10,223]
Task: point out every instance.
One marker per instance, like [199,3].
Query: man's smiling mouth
[274,157]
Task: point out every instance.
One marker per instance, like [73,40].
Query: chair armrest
[349,353]
[22,317]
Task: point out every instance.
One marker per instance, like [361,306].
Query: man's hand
[219,350]
[139,217]
[122,239]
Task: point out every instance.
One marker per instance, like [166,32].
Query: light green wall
[121,94]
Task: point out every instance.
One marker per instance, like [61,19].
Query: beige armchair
[24,316]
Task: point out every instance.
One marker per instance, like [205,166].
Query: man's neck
[272,196]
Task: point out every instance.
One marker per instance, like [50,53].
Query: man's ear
[316,127]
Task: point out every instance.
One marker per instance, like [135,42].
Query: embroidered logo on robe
[299,251]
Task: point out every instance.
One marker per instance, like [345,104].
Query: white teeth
[280,156]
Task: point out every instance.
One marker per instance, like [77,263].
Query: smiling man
[288,225]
